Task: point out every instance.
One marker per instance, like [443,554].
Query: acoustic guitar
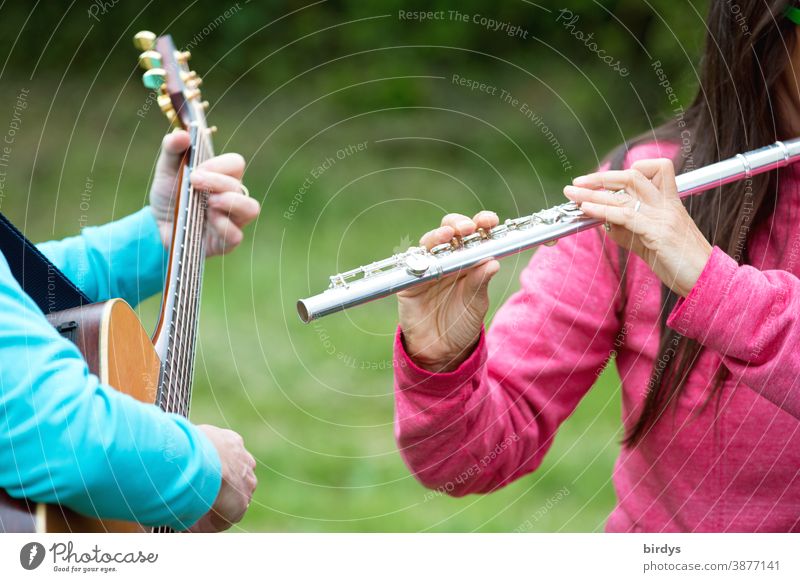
[155,369]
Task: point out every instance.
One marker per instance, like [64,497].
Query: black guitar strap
[50,289]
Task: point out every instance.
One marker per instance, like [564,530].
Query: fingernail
[569,190]
[580,180]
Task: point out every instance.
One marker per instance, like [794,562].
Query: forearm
[125,258]
[66,438]
[439,428]
[752,319]
[84,454]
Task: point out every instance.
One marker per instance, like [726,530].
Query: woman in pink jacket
[698,302]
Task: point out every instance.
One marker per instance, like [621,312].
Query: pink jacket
[731,468]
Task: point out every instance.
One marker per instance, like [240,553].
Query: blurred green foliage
[291,84]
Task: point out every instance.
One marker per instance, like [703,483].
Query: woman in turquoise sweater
[52,447]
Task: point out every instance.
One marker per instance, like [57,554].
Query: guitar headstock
[168,75]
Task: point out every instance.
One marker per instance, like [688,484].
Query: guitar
[118,350]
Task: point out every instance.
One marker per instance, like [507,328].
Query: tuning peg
[154,78]
[150,60]
[188,75]
[192,94]
[144,40]
[182,56]
[165,103]
[204,105]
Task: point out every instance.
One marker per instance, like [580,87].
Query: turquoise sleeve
[125,258]
[65,437]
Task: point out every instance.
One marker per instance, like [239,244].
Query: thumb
[476,283]
[172,149]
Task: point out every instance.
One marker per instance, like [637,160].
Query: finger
[228,235]
[173,146]
[650,168]
[486,219]
[462,225]
[631,180]
[621,216]
[203,525]
[477,280]
[616,198]
[176,142]
[230,164]
[214,182]
[242,210]
[661,171]
[220,523]
[437,236]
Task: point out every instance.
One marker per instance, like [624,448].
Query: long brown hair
[747,52]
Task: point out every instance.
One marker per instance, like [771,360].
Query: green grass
[314,403]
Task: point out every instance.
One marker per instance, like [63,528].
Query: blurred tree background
[295,87]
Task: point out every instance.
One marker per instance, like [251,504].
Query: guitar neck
[176,333]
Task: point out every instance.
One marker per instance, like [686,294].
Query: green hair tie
[793,14]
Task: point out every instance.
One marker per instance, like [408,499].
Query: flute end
[302,311]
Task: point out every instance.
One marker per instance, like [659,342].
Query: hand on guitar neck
[229,209]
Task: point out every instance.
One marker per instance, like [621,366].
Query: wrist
[693,269]
[438,360]
[165,232]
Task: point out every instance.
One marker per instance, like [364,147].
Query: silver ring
[607,226]
[244,190]
[637,206]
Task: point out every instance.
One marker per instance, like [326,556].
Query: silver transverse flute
[418,265]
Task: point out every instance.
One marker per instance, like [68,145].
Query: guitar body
[120,352]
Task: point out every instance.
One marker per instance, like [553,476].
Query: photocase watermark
[678,113]
[627,325]
[543,510]
[84,204]
[568,19]
[748,213]
[491,24]
[318,171]
[10,137]
[346,359]
[506,97]
[150,100]
[31,555]
[473,470]
[741,20]
[101,8]
[779,304]
[66,559]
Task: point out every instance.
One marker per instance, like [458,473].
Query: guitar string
[175,347]
[187,295]
[191,296]
[182,344]
[175,365]
[184,356]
